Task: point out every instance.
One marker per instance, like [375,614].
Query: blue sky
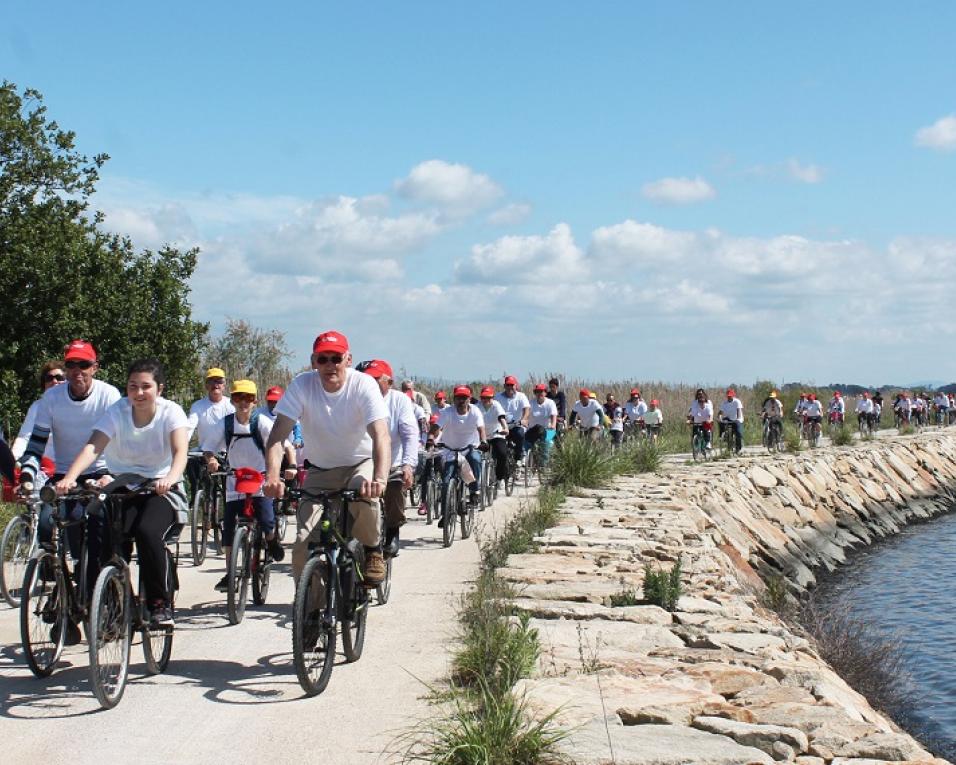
[679,191]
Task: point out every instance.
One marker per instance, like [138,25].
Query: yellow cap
[244,386]
[773,394]
[215,372]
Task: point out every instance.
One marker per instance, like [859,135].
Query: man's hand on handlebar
[273,488]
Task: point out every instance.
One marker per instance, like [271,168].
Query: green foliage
[907,430]
[626,597]
[791,437]
[663,588]
[775,597]
[841,436]
[640,456]
[247,352]
[62,278]
[518,534]
[579,461]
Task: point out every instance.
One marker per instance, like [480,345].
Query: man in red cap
[517,411]
[732,416]
[403,431]
[67,414]
[587,411]
[345,429]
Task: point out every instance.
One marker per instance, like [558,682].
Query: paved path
[230,692]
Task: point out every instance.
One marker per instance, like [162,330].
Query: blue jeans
[474,460]
[516,439]
[265,512]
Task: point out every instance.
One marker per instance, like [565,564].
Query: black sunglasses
[78,364]
[323,359]
[50,377]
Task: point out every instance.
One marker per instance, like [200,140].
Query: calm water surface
[907,586]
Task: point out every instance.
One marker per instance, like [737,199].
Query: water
[906,586]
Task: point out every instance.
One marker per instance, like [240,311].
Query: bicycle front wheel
[355,613]
[16,547]
[199,527]
[110,636]
[384,591]
[238,589]
[282,520]
[261,572]
[512,474]
[449,513]
[158,641]
[43,614]
[313,626]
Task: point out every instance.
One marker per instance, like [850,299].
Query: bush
[663,588]
[580,461]
[791,437]
[841,436]
[640,457]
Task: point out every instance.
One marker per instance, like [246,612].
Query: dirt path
[230,692]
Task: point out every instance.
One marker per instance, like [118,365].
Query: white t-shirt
[71,422]
[204,415]
[145,451]
[334,425]
[702,412]
[589,415]
[493,426]
[814,409]
[837,405]
[514,407]
[732,410]
[460,430]
[801,406]
[653,417]
[541,413]
[243,451]
[402,428]
[864,406]
[635,409]
[26,430]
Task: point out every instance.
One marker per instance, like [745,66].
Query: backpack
[254,434]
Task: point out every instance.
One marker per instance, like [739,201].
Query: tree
[61,277]
[247,352]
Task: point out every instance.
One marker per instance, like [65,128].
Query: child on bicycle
[243,435]
[653,420]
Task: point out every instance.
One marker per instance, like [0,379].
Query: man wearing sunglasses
[205,419]
[66,415]
[344,423]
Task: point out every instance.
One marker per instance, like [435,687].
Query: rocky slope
[721,679]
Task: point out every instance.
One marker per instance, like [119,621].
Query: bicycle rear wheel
[355,612]
[109,636]
[237,591]
[512,473]
[217,510]
[16,548]
[261,571]
[449,512]
[313,629]
[158,641]
[43,614]
[432,492]
[199,527]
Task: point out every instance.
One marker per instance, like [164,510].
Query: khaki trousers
[366,527]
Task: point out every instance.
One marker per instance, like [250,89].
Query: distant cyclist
[864,410]
[588,413]
[732,416]
[558,397]
[462,427]
[701,415]
[517,411]
[654,420]
[51,375]
[771,410]
[837,408]
[543,420]
[496,430]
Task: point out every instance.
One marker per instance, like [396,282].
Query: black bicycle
[330,593]
[285,507]
[116,611]
[772,434]
[489,480]
[454,504]
[431,494]
[51,601]
[208,508]
[249,561]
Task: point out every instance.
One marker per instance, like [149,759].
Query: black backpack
[254,434]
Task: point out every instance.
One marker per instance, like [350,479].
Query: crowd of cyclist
[339,425]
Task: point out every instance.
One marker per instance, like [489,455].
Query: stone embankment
[721,679]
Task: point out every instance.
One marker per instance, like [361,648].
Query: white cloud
[544,260]
[679,191]
[804,173]
[941,135]
[510,215]
[456,188]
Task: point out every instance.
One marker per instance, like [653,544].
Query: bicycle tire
[512,476]
[528,467]
[109,636]
[383,591]
[449,513]
[282,523]
[199,528]
[413,494]
[16,549]
[467,520]
[42,608]
[237,590]
[313,635]
[217,512]
[158,641]
[353,623]
[261,572]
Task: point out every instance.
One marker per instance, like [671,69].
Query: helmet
[511,380]
[243,386]
[487,392]
[462,390]
[540,387]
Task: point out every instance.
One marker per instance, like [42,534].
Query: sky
[677,191]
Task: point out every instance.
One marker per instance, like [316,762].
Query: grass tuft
[663,588]
[841,436]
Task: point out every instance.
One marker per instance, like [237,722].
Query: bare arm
[281,428]
[87,456]
[381,459]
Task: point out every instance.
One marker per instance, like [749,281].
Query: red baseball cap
[274,393]
[731,392]
[79,350]
[541,387]
[377,368]
[248,481]
[635,391]
[584,392]
[462,390]
[511,380]
[331,341]
[441,394]
[654,402]
[487,392]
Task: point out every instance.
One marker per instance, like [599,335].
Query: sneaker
[276,550]
[422,510]
[473,499]
[161,616]
[223,584]
[374,569]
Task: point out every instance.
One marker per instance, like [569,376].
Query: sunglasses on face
[78,364]
[215,381]
[322,359]
[59,377]
[243,397]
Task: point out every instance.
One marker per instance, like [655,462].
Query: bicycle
[116,611]
[812,429]
[50,599]
[865,424]
[454,505]
[488,485]
[329,592]
[284,507]
[431,493]
[511,478]
[772,436]
[208,508]
[249,558]
[698,441]
[728,442]
[383,591]
[17,545]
